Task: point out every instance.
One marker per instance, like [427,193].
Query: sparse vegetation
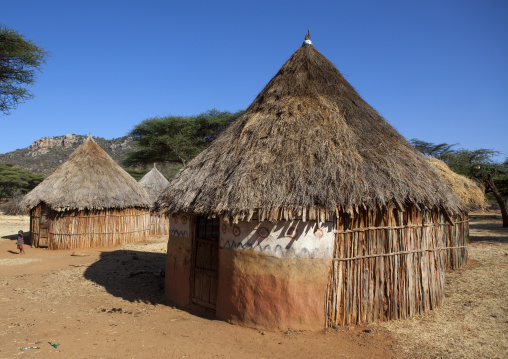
[11,207]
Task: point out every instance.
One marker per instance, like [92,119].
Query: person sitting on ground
[20,242]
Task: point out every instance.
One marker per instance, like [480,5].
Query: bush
[12,207]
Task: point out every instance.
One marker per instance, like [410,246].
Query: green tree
[20,60]
[477,164]
[501,179]
[432,149]
[211,123]
[136,174]
[14,179]
[175,139]
[167,139]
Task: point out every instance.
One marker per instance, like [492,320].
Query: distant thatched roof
[307,142]
[467,191]
[89,179]
[153,183]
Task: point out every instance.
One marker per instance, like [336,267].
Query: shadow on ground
[485,216]
[491,228]
[14,236]
[491,239]
[131,275]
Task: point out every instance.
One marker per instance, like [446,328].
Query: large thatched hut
[89,201]
[154,183]
[309,210]
[471,197]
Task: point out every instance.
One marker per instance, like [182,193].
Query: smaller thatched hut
[471,197]
[154,183]
[89,201]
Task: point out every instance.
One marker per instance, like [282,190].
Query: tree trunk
[499,199]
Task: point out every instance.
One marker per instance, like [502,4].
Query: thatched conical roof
[89,179]
[307,142]
[470,195]
[153,183]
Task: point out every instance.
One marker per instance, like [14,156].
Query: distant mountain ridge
[44,155]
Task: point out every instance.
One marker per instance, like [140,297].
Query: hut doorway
[205,263]
[44,224]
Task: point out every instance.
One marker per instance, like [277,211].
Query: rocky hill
[44,155]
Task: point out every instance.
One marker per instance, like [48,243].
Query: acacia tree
[477,164]
[432,149]
[14,179]
[176,139]
[20,60]
[166,139]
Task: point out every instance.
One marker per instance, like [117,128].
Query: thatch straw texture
[89,179]
[153,183]
[467,191]
[307,147]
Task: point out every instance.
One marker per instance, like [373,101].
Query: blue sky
[436,70]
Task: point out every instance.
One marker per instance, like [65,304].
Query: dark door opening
[44,225]
[205,263]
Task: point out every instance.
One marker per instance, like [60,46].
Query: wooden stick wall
[457,241]
[98,228]
[394,271]
[35,217]
[159,224]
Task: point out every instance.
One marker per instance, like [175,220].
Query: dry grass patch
[16,261]
[473,322]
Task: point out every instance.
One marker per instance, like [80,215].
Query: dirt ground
[109,303]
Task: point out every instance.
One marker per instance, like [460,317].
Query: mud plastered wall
[178,259]
[274,275]
[281,239]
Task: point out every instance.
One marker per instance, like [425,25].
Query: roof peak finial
[307,38]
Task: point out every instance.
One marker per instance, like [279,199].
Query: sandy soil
[108,303]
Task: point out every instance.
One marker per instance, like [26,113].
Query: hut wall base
[178,270]
[261,291]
